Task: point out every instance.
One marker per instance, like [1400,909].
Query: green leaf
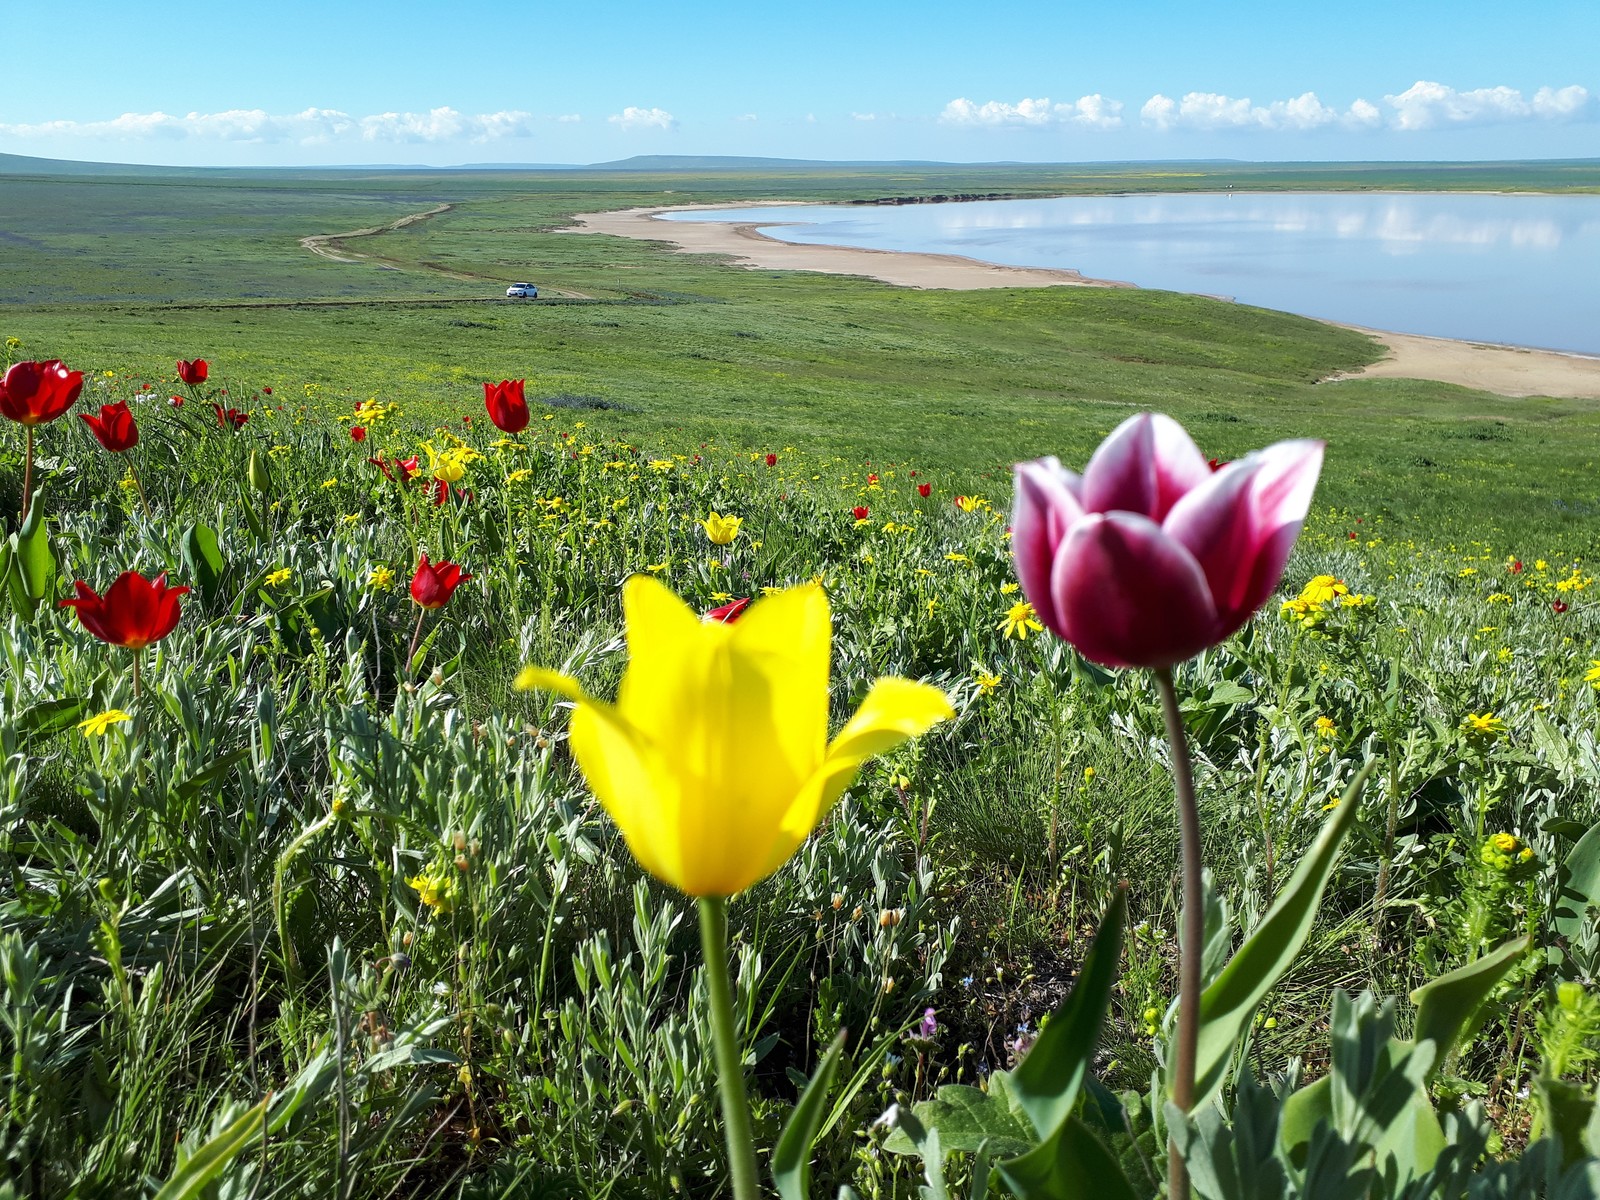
[967,1118]
[203,556]
[1072,1164]
[201,1169]
[791,1158]
[50,716]
[1580,886]
[1228,1004]
[1046,1084]
[1445,1005]
[210,774]
[1568,1109]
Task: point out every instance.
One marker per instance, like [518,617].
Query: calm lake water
[1523,270]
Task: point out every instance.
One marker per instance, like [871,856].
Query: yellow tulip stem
[730,1056]
[1192,933]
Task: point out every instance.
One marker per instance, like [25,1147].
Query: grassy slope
[960,383]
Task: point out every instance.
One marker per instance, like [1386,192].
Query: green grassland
[130,273]
[215,902]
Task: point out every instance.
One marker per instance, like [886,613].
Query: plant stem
[1192,934]
[415,638]
[27,474]
[139,483]
[730,1058]
[136,678]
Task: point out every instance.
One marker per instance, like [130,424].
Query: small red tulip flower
[871,479]
[434,583]
[861,512]
[114,427]
[230,418]
[507,407]
[134,612]
[1516,566]
[772,460]
[175,401]
[924,490]
[727,613]
[193,373]
[32,393]
[1558,607]
[358,433]
[266,391]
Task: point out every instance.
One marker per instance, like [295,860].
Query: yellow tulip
[715,761]
[722,530]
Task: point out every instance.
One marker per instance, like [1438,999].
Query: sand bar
[1505,370]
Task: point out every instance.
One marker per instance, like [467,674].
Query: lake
[1517,269]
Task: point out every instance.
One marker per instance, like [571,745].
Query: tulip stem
[730,1056]
[1192,933]
[27,474]
[415,638]
[136,678]
[139,483]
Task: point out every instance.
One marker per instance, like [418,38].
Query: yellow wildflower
[721,529]
[100,723]
[381,579]
[281,576]
[1020,620]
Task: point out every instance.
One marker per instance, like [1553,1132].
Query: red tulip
[727,613]
[772,460]
[175,401]
[114,426]
[861,511]
[266,391]
[193,373]
[1558,607]
[507,408]
[36,392]
[229,417]
[434,583]
[134,612]
[1516,566]
[924,490]
[1150,556]
[358,433]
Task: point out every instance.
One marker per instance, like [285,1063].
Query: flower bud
[259,473]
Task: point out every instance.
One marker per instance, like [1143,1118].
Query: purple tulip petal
[1046,508]
[1130,596]
[1145,466]
[1241,525]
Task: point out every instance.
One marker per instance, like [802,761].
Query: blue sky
[473,81]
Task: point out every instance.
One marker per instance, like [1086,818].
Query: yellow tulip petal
[667,645]
[894,711]
[629,779]
[786,636]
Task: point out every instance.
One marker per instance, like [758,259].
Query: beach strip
[1504,370]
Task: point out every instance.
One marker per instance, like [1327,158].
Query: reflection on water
[1520,269]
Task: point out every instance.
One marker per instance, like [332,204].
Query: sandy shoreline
[1505,370]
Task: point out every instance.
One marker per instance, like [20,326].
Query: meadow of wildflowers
[464,803]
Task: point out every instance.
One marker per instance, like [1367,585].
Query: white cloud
[1422,106]
[1427,105]
[643,118]
[313,126]
[1092,112]
[746,117]
[855,116]
[1209,110]
[570,118]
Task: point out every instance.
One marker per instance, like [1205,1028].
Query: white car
[524,291]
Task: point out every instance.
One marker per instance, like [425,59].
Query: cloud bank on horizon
[1424,106]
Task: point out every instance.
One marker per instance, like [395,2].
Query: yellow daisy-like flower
[329,483]
[1485,725]
[1323,590]
[436,887]
[1325,727]
[987,682]
[1592,675]
[1009,589]
[381,579]
[714,761]
[1020,621]
[661,464]
[519,475]
[721,529]
[100,723]
[281,576]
